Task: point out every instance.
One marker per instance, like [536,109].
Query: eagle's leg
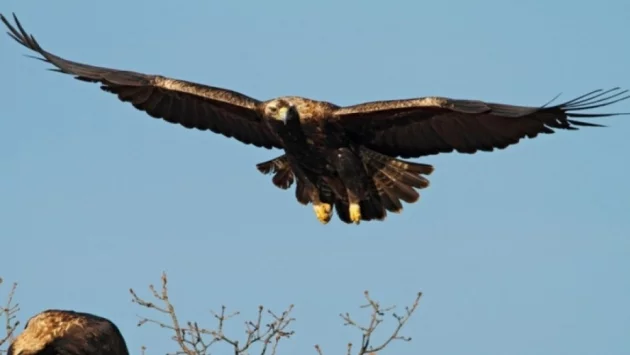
[355,208]
[352,172]
[323,210]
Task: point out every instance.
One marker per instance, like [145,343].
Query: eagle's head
[281,110]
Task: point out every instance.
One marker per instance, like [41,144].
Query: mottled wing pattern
[432,125]
[176,101]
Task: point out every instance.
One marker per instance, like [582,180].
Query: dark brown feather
[189,104]
[393,180]
[432,125]
[282,173]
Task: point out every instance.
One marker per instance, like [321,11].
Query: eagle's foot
[355,213]
[323,211]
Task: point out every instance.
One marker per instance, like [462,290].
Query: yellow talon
[355,213]
[323,211]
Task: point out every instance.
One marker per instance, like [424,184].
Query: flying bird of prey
[347,159]
[61,332]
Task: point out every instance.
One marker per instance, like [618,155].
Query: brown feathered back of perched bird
[63,332]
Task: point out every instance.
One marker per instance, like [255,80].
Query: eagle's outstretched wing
[189,104]
[432,125]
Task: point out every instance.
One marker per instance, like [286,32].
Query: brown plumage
[394,181]
[341,158]
[62,332]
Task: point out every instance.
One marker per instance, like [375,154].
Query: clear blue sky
[521,251]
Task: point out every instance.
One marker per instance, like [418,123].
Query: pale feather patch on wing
[213,93]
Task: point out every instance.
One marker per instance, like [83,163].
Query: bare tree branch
[195,340]
[9,312]
[264,332]
[376,319]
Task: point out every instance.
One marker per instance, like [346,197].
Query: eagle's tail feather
[343,211]
[372,207]
[396,179]
[390,201]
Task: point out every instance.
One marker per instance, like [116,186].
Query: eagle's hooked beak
[285,113]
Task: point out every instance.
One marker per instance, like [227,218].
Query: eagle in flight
[62,332]
[347,159]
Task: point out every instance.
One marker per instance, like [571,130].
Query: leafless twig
[9,312]
[195,340]
[375,320]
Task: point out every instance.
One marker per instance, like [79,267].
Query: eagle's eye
[273,109]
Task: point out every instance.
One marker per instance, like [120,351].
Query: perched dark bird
[341,158]
[60,332]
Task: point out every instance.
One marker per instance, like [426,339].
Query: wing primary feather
[552,100]
[591,100]
[593,97]
[583,96]
[598,105]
